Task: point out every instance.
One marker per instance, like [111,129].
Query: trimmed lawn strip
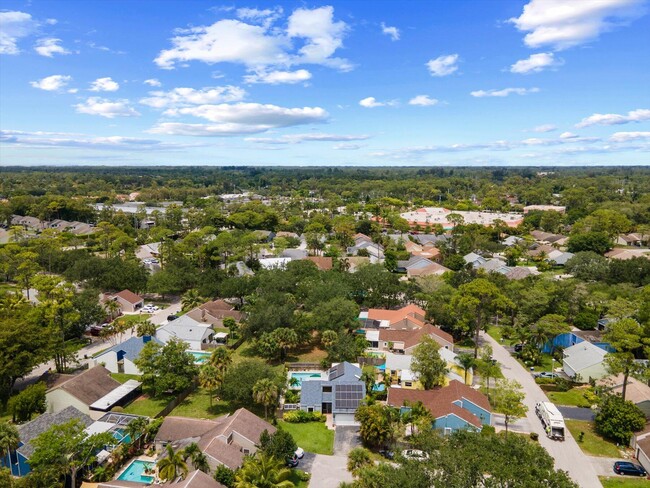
[593,444]
[572,398]
[623,482]
[149,407]
[123,378]
[311,436]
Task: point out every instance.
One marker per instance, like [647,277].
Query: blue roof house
[119,358]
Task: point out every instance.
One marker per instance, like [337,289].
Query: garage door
[344,419]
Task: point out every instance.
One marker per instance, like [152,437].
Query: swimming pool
[135,472]
[122,436]
[305,375]
[200,357]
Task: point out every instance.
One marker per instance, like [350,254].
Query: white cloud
[260,46]
[278,77]
[423,101]
[629,136]
[443,65]
[392,32]
[504,92]
[298,138]
[545,128]
[51,83]
[104,84]
[106,108]
[179,97]
[14,25]
[73,90]
[372,102]
[48,47]
[535,63]
[265,17]
[347,147]
[561,24]
[568,135]
[239,118]
[638,115]
[152,82]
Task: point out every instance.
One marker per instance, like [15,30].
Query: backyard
[313,437]
[592,444]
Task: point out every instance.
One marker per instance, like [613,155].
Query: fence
[294,366]
[175,402]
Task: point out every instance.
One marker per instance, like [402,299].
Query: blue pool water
[379,387]
[200,357]
[382,367]
[122,436]
[135,473]
[303,376]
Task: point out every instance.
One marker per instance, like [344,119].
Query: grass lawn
[623,482]
[574,397]
[311,436]
[593,444]
[132,319]
[495,333]
[545,365]
[123,378]
[197,405]
[149,407]
[314,355]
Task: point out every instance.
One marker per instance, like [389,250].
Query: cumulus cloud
[278,77]
[259,46]
[179,97]
[298,138]
[561,24]
[152,82]
[14,25]
[535,63]
[392,32]
[104,84]
[265,17]
[50,46]
[504,92]
[423,101]
[51,83]
[239,118]
[545,128]
[106,108]
[629,136]
[638,115]
[443,65]
[372,102]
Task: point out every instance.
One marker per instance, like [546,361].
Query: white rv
[552,419]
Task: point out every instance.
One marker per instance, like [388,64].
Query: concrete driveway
[604,466]
[567,455]
[345,439]
[329,471]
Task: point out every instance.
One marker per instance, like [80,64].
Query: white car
[415,455]
[300,453]
[149,309]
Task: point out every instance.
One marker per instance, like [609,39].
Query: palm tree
[328,338]
[192,299]
[9,439]
[198,459]
[136,430]
[170,466]
[263,471]
[466,362]
[221,359]
[210,378]
[145,328]
[112,307]
[265,392]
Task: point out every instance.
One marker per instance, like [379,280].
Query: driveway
[577,413]
[329,471]
[567,455]
[604,466]
[346,438]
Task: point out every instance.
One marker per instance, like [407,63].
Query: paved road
[85,354]
[568,455]
[577,413]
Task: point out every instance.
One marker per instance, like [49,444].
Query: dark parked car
[545,374]
[519,347]
[292,462]
[387,454]
[625,467]
[171,317]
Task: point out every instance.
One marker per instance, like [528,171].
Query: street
[567,454]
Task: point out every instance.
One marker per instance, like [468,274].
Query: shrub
[301,417]
[545,381]
[534,436]
[618,419]
[292,396]
[304,476]
[563,384]
[488,430]
[591,397]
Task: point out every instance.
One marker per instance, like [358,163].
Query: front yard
[311,436]
[592,444]
[575,397]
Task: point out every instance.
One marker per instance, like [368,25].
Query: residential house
[340,394]
[194,479]
[353,263]
[559,258]
[375,251]
[453,407]
[430,239]
[214,312]
[420,266]
[323,263]
[404,341]
[492,265]
[635,239]
[511,241]
[120,358]
[196,334]
[29,223]
[408,317]
[18,461]
[287,235]
[624,254]
[295,254]
[398,368]
[225,440]
[93,392]
[540,250]
[475,260]
[274,263]
[129,302]
[636,391]
[519,272]
[148,251]
[584,361]
[642,452]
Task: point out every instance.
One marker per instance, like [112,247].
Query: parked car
[545,374]
[631,469]
[519,347]
[415,455]
[300,453]
[149,309]
[292,462]
[171,317]
[387,454]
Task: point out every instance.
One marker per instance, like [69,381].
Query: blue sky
[424,82]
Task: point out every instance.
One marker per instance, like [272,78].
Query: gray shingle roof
[131,347]
[33,429]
